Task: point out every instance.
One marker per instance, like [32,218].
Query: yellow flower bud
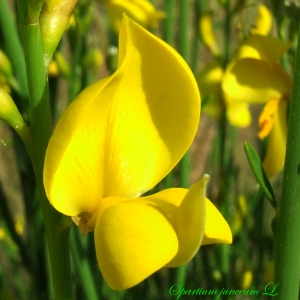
[207,33]
[10,114]
[54,20]
[5,65]
[53,69]
[93,59]
[62,64]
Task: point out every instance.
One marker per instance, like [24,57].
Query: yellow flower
[210,79]
[116,141]
[255,77]
[141,11]
[210,86]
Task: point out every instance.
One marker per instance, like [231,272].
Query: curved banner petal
[255,81]
[127,251]
[123,134]
[263,48]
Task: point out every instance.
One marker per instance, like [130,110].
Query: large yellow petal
[189,222]
[195,219]
[217,229]
[255,81]
[73,171]
[186,211]
[275,155]
[123,134]
[133,240]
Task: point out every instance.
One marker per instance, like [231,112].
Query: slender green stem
[184,41]
[287,238]
[226,181]
[13,45]
[6,215]
[169,34]
[75,86]
[82,266]
[169,22]
[227,31]
[184,166]
[56,225]
[281,32]
[184,12]
[198,8]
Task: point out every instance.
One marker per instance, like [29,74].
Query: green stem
[6,215]
[281,32]
[184,165]
[57,226]
[199,7]
[184,42]
[13,46]
[227,27]
[169,22]
[287,238]
[82,267]
[184,51]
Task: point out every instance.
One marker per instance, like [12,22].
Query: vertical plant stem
[184,166]
[224,154]
[198,10]
[169,34]
[57,226]
[5,214]
[287,238]
[184,41]
[169,22]
[184,12]
[82,267]
[227,31]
